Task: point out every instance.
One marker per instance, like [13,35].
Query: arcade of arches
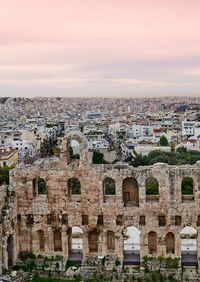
[94,210]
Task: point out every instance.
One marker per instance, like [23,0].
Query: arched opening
[109,189]
[74,186]
[42,189]
[39,186]
[187,189]
[110,241]
[130,192]
[41,240]
[57,241]
[152,242]
[93,241]
[131,245]
[73,151]
[188,246]
[75,244]
[10,250]
[170,243]
[152,189]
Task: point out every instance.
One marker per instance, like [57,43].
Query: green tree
[109,186]
[163,141]
[98,158]
[152,186]
[187,186]
[4,174]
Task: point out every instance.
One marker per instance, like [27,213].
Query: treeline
[180,157]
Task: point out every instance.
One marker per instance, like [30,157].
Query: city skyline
[99,48]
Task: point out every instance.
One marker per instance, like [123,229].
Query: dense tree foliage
[4,175]
[152,186]
[109,186]
[163,141]
[98,158]
[41,186]
[180,157]
[187,186]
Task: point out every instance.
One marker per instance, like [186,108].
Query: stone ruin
[81,211]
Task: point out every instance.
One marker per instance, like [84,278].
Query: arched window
[110,241]
[170,243]
[130,192]
[74,186]
[57,240]
[187,186]
[41,240]
[131,245]
[75,240]
[152,242]
[109,186]
[41,186]
[152,186]
[73,151]
[189,246]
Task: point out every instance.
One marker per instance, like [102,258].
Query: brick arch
[130,191]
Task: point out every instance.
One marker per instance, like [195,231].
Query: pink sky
[99,47]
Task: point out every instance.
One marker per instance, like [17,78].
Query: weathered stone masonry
[57,222]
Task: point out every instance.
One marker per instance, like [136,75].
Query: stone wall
[45,221]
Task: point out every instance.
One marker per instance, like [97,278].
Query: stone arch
[74,186]
[10,250]
[130,192]
[170,243]
[109,190]
[109,186]
[131,245]
[152,189]
[81,139]
[187,186]
[110,241]
[93,241]
[57,241]
[189,246]
[75,243]
[41,240]
[152,242]
[39,186]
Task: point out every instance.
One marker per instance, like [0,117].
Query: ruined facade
[64,207]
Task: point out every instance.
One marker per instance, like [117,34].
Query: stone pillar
[85,246]
[119,245]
